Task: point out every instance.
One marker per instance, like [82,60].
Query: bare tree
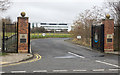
[115,13]
[4,4]
[114,8]
[38,30]
[84,21]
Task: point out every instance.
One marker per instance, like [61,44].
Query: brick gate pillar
[23,34]
[108,34]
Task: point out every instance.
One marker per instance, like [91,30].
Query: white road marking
[107,63]
[2,72]
[18,71]
[76,55]
[60,70]
[114,69]
[40,71]
[98,70]
[79,70]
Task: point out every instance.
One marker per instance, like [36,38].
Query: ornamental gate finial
[23,14]
[107,16]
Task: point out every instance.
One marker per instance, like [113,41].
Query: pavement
[14,58]
[54,55]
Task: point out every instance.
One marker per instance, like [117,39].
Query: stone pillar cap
[23,14]
[107,16]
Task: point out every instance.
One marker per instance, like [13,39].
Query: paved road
[64,57]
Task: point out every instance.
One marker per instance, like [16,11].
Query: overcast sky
[50,10]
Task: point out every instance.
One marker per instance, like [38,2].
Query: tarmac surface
[54,55]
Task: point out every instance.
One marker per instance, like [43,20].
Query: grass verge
[79,42]
[49,36]
[3,54]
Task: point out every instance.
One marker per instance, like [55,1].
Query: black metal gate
[9,39]
[117,38]
[98,37]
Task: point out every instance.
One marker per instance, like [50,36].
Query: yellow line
[38,57]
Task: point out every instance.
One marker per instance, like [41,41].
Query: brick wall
[108,29]
[22,29]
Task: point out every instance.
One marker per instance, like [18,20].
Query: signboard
[78,37]
[109,35]
[23,38]
[109,38]
[43,34]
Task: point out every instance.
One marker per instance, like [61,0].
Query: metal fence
[9,37]
[117,38]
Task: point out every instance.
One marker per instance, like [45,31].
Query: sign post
[78,37]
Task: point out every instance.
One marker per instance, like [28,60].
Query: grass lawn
[49,35]
[7,34]
[79,42]
[2,54]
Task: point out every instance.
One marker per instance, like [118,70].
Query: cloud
[50,10]
[58,1]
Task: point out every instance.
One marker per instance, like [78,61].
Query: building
[54,27]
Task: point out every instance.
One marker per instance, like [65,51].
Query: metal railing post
[118,29]
[3,39]
[28,37]
[92,36]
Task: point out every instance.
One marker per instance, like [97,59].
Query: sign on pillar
[23,34]
[108,34]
